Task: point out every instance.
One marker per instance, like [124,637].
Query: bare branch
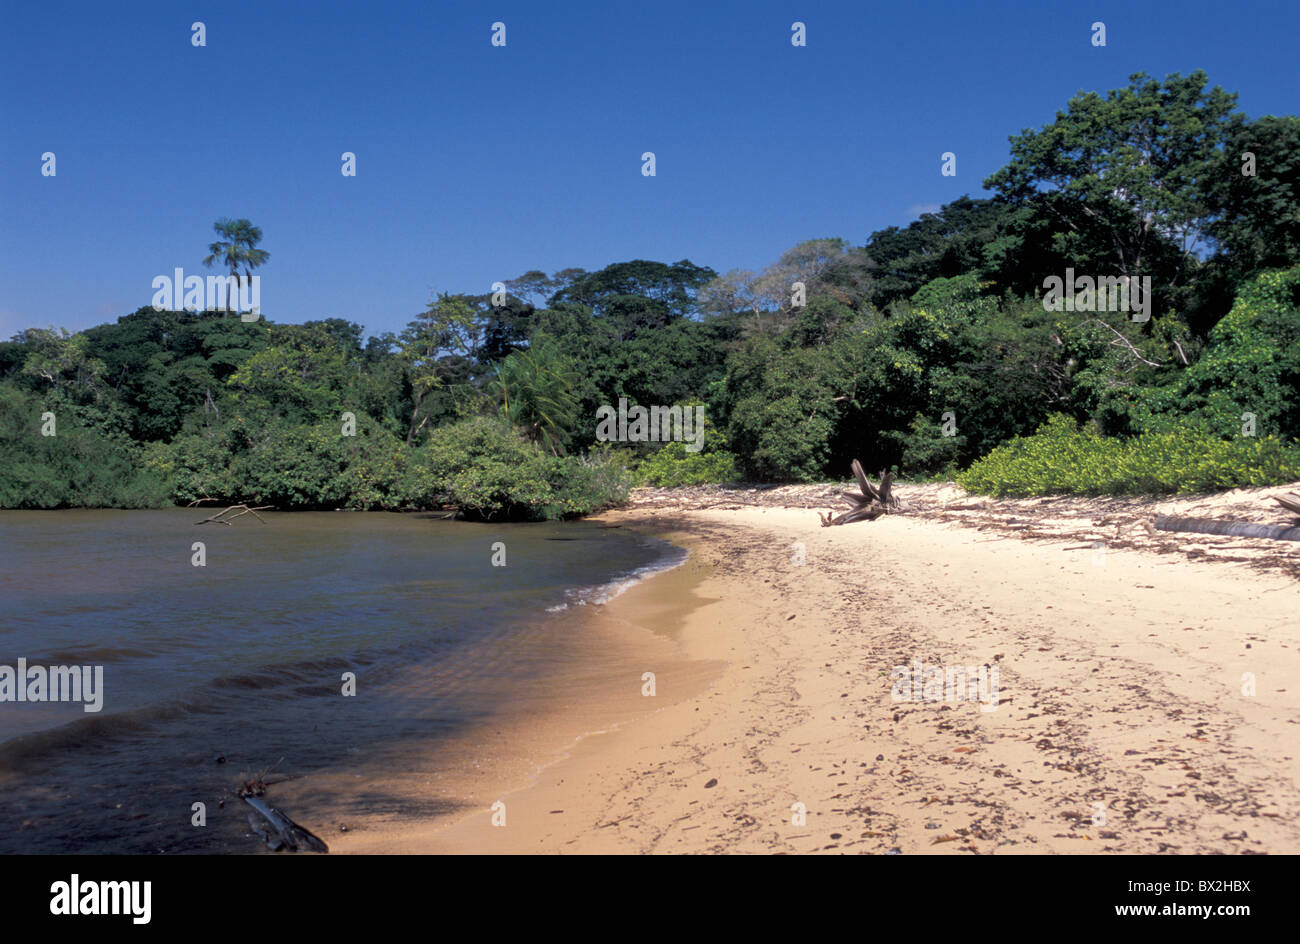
[219,517]
[1125,341]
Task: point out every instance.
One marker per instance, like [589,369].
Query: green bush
[926,451]
[1252,365]
[293,467]
[75,468]
[318,467]
[1063,459]
[673,465]
[197,465]
[585,485]
[487,469]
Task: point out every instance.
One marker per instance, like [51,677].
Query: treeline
[927,349]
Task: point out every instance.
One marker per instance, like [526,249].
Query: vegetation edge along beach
[950,348]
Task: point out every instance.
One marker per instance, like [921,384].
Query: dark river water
[244,658]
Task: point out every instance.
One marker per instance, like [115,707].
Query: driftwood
[1239,529]
[1291,502]
[219,517]
[280,832]
[276,829]
[872,502]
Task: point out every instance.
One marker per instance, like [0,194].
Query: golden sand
[1121,723]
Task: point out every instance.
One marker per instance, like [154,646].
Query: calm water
[243,658]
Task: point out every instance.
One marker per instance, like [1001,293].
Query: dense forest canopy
[926,348]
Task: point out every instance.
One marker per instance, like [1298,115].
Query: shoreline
[1120,727]
[624,634]
[525,693]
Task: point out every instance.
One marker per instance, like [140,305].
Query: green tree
[62,364]
[436,347]
[949,242]
[667,291]
[535,390]
[1257,216]
[237,246]
[1121,174]
[300,376]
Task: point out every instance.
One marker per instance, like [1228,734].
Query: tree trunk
[1238,529]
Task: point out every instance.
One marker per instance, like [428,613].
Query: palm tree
[225,251]
[535,387]
[238,246]
[248,237]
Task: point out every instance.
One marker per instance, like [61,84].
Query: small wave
[223,695]
[602,593]
[94,655]
[27,749]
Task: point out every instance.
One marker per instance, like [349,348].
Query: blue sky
[476,163]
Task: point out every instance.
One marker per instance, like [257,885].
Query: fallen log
[1236,529]
[283,832]
[1290,502]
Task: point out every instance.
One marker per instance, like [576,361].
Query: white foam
[603,593]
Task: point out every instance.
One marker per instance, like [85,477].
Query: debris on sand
[277,830]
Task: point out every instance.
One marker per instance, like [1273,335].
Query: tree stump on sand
[874,500]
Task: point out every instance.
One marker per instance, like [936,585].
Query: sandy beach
[1147,692]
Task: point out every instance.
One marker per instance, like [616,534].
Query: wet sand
[401,799]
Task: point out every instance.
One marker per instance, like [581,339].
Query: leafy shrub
[484,466]
[1061,458]
[75,468]
[318,467]
[585,485]
[1252,366]
[293,467]
[926,450]
[195,466]
[673,465]
[492,473]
